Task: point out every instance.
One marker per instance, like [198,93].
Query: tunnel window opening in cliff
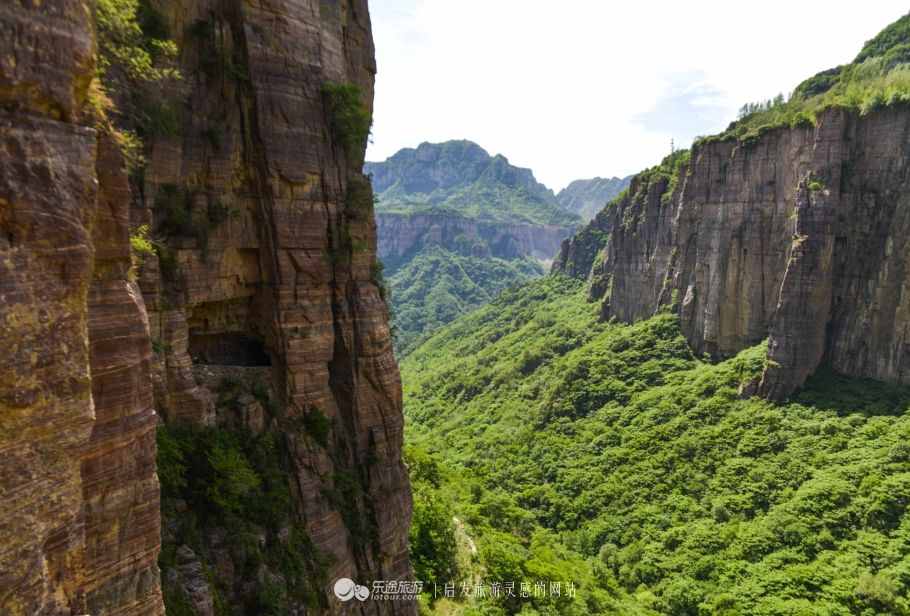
[228,349]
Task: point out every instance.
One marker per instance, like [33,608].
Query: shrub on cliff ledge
[350,119]
[232,476]
[136,60]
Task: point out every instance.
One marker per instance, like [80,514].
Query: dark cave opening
[228,349]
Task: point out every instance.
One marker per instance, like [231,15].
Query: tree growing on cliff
[136,66]
[348,116]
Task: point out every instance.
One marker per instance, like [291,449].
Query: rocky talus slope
[799,236]
[265,260]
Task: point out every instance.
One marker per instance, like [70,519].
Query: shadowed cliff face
[798,236]
[282,261]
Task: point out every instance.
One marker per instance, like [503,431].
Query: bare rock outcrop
[401,235]
[276,267]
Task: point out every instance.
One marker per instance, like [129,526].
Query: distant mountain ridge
[587,197]
[462,178]
[455,226]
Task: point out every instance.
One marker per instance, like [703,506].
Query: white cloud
[573,88]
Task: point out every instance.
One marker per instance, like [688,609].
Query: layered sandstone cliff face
[288,268]
[278,269]
[799,236]
[77,425]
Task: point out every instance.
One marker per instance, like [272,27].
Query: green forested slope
[492,225]
[609,455]
[437,285]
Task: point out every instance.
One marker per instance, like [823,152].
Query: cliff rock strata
[276,264]
[77,441]
[798,236]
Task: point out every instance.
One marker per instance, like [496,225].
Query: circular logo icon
[346,589]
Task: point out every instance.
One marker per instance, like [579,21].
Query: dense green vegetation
[349,117]
[133,37]
[136,64]
[226,480]
[878,77]
[437,285]
[609,455]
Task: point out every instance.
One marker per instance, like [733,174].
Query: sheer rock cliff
[284,279]
[401,235]
[798,236]
[77,425]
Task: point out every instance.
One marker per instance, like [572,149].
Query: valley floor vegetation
[544,444]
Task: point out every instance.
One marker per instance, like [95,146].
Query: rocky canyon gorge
[262,279]
[206,290]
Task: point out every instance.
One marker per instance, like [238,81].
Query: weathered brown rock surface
[119,484]
[77,445]
[286,278]
[286,275]
[799,237]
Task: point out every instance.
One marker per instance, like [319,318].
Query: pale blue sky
[578,88]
